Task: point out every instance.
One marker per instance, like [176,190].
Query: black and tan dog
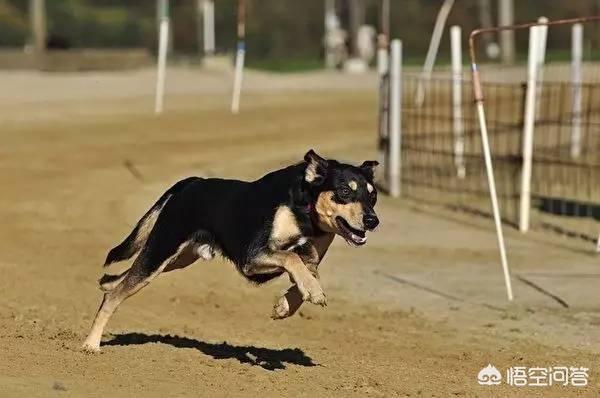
[282,223]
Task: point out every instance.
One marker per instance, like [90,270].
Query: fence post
[542,36]
[528,127]
[384,105]
[239,58]
[37,10]
[576,80]
[208,26]
[506,17]
[395,140]
[163,45]
[457,117]
[382,56]
[329,23]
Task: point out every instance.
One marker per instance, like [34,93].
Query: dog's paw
[281,309]
[312,291]
[318,298]
[90,348]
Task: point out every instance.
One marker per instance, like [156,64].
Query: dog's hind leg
[109,282]
[186,257]
[149,264]
[137,238]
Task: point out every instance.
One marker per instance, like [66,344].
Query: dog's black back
[234,216]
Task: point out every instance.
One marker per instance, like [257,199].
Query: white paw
[281,309]
[90,348]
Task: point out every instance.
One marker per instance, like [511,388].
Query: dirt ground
[416,312]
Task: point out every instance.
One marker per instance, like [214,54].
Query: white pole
[382,59]
[495,208]
[330,23]
[395,117]
[239,74]
[542,39]
[383,105]
[457,118]
[528,127]
[434,45]
[208,12]
[576,80]
[239,59]
[506,17]
[37,10]
[163,44]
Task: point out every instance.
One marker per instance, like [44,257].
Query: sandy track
[67,197]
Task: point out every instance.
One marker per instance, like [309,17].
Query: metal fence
[442,160]
[566,161]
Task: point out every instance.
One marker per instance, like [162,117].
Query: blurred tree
[276,29]
[13,27]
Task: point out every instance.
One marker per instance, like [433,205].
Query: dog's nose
[370,221]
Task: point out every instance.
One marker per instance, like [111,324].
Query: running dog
[281,223]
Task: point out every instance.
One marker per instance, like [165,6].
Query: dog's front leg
[288,304]
[307,284]
[311,254]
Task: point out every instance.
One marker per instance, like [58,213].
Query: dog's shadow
[266,358]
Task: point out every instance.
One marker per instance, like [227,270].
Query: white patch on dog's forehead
[353,184]
[369,187]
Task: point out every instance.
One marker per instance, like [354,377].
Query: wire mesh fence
[565,184]
[566,158]
[429,159]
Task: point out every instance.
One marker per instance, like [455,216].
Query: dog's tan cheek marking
[285,228]
[326,208]
[369,187]
[353,185]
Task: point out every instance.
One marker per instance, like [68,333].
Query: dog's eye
[344,191]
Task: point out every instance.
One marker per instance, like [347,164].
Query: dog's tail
[137,238]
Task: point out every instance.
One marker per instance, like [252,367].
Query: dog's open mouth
[352,235]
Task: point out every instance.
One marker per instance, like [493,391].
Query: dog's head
[344,197]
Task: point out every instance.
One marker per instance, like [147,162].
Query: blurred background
[281,35]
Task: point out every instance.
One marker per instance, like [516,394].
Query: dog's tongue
[358,239]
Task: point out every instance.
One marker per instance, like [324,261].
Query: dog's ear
[368,167]
[316,168]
